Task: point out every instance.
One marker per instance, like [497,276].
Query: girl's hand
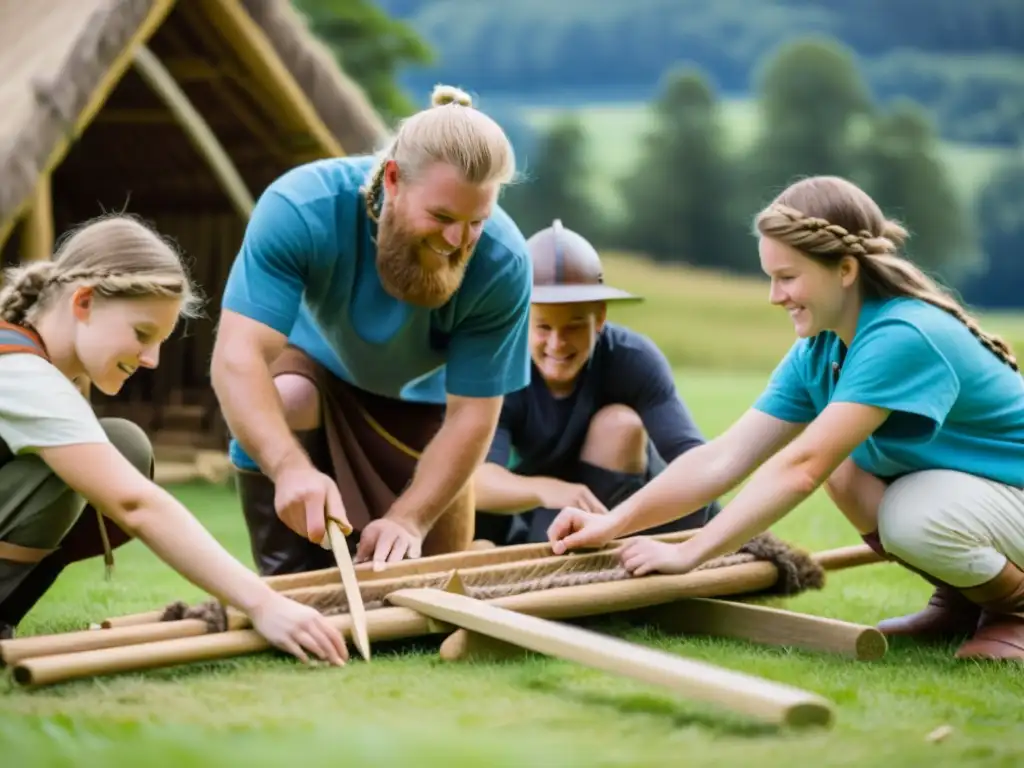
[643,556]
[299,630]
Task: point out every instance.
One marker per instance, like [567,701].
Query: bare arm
[706,472]
[101,474]
[449,460]
[787,479]
[502,492]
[252,408]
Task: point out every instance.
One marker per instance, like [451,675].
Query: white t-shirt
[41,408]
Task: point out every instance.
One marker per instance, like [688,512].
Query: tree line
[962,61]
[692,199]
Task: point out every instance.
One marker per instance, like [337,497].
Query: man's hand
[387,541]
[558,494]
[305,499]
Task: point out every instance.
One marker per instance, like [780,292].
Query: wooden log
[19,648]
[397,623]
[762,699]
[761,624]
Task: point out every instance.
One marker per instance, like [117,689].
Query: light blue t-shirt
[955,405]
[307,268]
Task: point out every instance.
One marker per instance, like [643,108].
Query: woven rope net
[797,572]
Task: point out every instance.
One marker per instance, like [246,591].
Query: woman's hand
[573,528]
[298,629]
[642,556]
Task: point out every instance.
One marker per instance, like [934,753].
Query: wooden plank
[354,597]
[762,699]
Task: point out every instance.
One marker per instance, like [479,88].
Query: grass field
[409,709]
[703,319]
[614,131]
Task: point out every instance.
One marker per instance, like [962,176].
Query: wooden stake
[768,701]
[352,594]
[196,129]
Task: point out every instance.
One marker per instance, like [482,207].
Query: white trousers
[957,527]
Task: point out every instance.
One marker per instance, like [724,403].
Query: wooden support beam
[761,624]
[197,129]
[260,58]
[37,227]
[715,618]
[762,699]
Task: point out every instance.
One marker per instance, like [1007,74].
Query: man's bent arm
[252,407]
[449,460]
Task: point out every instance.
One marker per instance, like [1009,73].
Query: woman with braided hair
[893,398]
[95,314]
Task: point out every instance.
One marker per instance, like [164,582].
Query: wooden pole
[761,624]
[196,128]
[765,700]
[37,233]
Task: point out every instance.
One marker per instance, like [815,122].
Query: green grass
[407,708]
[614,131]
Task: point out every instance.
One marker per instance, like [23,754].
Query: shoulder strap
[17,338]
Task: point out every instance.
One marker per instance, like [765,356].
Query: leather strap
[19,554]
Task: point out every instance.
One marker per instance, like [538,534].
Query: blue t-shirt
[307,269]
[955,405]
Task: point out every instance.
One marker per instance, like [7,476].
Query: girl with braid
[893,398]
[95,314]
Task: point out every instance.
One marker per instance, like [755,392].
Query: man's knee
[301,400]
[132,442]
[616,440]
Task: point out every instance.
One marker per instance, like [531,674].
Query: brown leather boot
[1000,632]
[947,613]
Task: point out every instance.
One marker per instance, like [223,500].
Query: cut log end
[871,645]
[809,714]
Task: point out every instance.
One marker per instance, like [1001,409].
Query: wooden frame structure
[181,112]
[503,602]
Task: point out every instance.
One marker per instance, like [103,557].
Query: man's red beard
[405,277]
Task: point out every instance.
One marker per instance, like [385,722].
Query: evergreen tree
[678,202]
[371,47]
[812,101]
[556,185]
[900,167]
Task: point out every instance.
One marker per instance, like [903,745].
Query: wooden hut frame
[181,112]
[508,601]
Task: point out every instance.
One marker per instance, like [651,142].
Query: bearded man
[371,324]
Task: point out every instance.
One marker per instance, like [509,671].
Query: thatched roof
[72,104]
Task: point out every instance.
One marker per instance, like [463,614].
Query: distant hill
[964,61]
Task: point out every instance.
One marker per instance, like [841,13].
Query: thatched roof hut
[180,112]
